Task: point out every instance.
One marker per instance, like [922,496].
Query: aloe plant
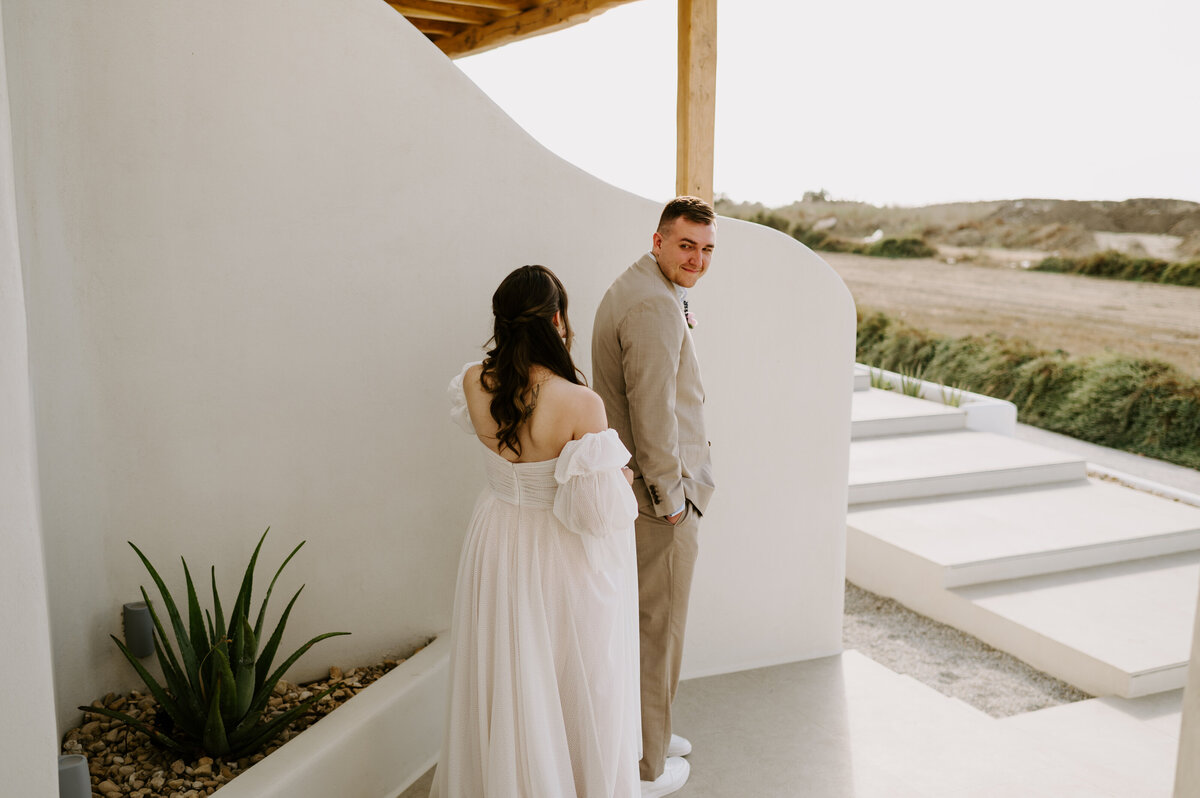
[219,682]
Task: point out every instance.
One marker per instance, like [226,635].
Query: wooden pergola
[465,27]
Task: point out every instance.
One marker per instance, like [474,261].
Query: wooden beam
[695,109]
[436,27]
[446,12]
[505,7]
[543,19]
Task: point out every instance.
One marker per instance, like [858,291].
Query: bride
[544,663]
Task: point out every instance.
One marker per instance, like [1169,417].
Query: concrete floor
[846,727]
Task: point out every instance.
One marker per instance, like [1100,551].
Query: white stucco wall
[259,239]
[28,739]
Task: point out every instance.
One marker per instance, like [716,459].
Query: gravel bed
[952,662]
[123,761]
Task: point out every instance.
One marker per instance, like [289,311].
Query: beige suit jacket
[645,368]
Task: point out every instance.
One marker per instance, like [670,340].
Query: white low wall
[1187,772]
[259,238]
[984,413]
[376,744]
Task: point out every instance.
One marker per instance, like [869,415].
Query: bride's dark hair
[524,336]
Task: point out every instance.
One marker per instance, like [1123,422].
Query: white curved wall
[28,744]
[776,342]
[260,238]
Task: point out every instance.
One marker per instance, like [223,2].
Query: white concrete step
[876,413]
[1122,629]
[862,377]
[846,726]
[909,740]
[1007,534]
[1129,744]
[947,463]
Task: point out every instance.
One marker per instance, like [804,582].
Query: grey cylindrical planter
[139,629]
[74,781]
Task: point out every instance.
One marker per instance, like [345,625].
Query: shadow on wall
[259,242]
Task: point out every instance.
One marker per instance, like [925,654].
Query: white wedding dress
[544,695]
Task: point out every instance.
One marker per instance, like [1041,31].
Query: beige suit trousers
[666,561]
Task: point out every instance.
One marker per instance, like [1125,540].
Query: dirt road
[1081,315]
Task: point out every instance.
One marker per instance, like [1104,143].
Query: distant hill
[1153,216]
[1067,227]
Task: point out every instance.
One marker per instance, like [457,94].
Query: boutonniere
[688,316]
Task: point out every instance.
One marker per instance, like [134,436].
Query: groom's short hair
[693,209]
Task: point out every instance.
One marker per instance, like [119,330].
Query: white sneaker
[674,776]
[679,746]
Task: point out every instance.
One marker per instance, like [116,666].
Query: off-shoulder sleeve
[593,499]
[458,401]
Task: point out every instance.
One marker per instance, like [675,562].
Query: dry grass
[1079,315]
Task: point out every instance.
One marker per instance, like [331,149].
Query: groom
[645,368]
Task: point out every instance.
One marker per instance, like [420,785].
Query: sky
[896,103]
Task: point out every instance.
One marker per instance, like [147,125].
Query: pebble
[946,659]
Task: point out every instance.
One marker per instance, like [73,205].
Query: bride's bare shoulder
[471,375]
[478,399]
[580,407]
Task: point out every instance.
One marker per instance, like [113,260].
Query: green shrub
[1119,266]
[885,248]
[218,685]
[823,241]
[900,248]
[1142,406]
[770,219]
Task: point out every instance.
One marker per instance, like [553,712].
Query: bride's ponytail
[524,335]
